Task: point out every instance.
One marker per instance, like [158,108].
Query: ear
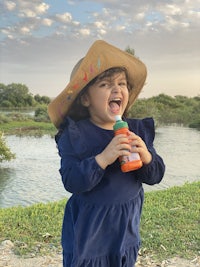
[85,100]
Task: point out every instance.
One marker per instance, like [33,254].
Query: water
[180,150]
[34,177]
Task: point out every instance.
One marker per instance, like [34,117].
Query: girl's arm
[153,172]
[82,173]
[153,167]
[79,175]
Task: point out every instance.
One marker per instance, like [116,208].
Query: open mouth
[115,104]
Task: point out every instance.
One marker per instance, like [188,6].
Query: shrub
[5,153]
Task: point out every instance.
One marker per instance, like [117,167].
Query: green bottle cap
[119,123]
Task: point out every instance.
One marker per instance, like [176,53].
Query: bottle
[128,163]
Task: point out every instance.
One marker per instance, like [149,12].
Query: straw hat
[100,57]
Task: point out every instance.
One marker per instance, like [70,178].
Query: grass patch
[170,222]
[169,226]
[28,128]
[35,229]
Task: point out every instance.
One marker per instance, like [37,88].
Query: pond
[34,177]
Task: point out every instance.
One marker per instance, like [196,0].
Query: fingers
[122,142]
[139,146]
[135,140]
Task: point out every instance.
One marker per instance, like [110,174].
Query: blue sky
[41,41]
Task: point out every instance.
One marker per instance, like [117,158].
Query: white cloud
[140,16]
[27,13]
[25,30]
[173,10]
[102,32]
[99,24]
[47,22]
[41,8]
[75,23]
[10,5]
[65,18]
[30,9]
[46,42]
[84,32]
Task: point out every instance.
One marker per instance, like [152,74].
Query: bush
[168,110]
[195,124]
[4,119]
[5,153]
[41,114]
[17,116]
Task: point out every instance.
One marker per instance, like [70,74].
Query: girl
[102,217]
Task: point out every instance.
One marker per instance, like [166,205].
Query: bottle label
[131,157]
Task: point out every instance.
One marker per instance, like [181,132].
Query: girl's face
[106,98]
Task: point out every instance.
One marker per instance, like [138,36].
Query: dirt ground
[9,259]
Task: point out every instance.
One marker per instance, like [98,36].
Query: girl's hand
[119,146]
[139,146]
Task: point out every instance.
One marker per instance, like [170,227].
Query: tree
[41,114]
[15,95]
[5,153]
[130,50]
[42,99]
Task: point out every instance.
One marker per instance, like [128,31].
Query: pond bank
[34,177]
[8,258]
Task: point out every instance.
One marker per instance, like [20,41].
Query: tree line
[164,108]
[17,95]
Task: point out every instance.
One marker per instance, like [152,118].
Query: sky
[41,41]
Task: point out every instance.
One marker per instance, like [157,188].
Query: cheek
[102,98]
[126,96]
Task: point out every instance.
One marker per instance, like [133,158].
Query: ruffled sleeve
[79,172]
[153,172]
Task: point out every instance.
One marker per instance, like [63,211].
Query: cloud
[65,17]
[42,38]
[10,5]
[140,16]
[85,32]
[47,22]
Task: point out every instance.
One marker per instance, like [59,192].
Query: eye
[123,84]
[104,84]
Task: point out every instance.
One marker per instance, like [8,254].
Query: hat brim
[100,57]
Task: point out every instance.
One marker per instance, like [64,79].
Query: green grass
[34,229]
[170,222]
[169,226]
[28,127]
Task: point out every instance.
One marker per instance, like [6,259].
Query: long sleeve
[153,172]
[79,173]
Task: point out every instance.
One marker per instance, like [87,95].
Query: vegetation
[163,108]
[167,110]
[169,225]
[16,95]
[16,98]
[170,222]
[5,153]
[28,127]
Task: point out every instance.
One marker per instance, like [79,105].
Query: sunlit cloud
[65,18]
[84,32]
[10,5]
[47,22]
[162,32]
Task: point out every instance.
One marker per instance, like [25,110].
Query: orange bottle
[128,163]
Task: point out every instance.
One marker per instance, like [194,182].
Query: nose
[116,88]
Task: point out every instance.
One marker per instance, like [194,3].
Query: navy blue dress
[102,217]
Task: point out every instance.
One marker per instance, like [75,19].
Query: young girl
[102,217]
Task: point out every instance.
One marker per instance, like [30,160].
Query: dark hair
[77,111]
